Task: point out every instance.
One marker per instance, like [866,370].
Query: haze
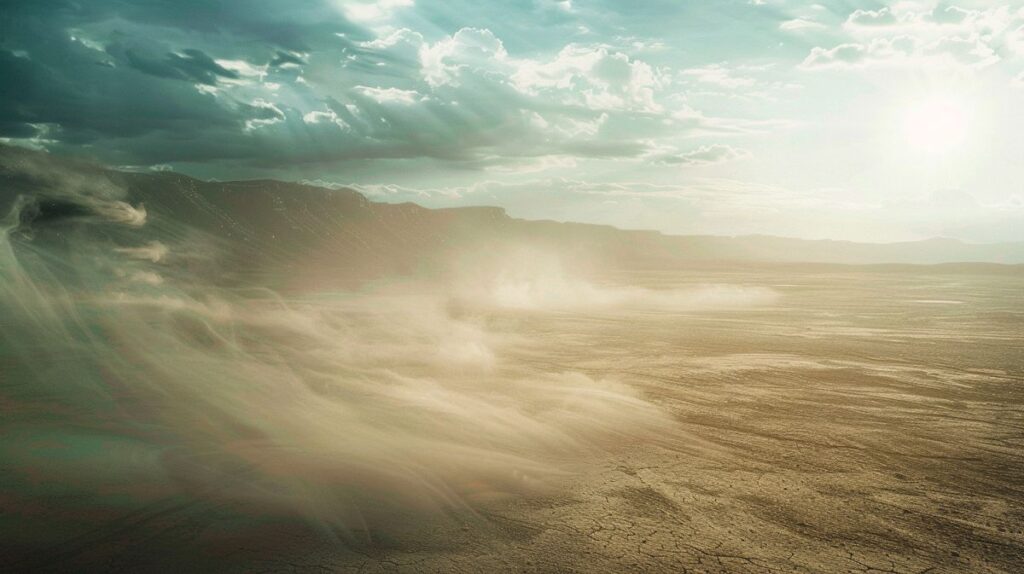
[540,286]
[866,121]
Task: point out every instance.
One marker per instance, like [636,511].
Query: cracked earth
[863,423]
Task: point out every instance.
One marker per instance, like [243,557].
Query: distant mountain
[292,231]
[783,249]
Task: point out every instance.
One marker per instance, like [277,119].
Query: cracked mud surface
[868,421]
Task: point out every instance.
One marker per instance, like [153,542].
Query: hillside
[289,232]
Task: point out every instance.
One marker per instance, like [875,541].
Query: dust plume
[131,380]
[531,279]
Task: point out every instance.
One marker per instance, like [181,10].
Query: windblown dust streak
[130,380]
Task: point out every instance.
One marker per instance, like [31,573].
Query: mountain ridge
[319,234]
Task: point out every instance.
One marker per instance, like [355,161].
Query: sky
[867,121]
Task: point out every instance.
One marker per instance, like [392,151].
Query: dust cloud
[344,407]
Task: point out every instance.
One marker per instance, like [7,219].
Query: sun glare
[936,125]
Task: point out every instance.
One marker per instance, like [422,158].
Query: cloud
[841,55]
[466,98]
[238,94]
[718,75]
[317,87]
[269,87]
[594,76]
[952,14]
[263,113]
[881,17]
[372,10]
[938,18]
[801,24]
[469,49]
[189,65]
[142,84]
[321,116]
[972,52]
[287,59]
[944,52]
[704,155]
[944,36]
[390,95]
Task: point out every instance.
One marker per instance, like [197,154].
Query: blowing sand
[779,420]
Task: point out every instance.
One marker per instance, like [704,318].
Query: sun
[936,125]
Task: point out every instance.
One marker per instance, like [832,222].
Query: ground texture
[868,420]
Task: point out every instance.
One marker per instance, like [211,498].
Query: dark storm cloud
[76,93]
[190,65]
[270,83]
[285,58]
[103,72]
[294,25]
